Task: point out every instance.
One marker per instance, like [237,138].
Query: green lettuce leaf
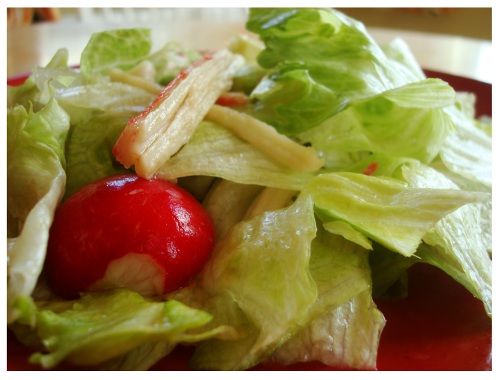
[459,249]
[171,59]
[484,208]
[117,329]
[345,337]
[56,77]
[320,61]
[227,203]
[340,270]
[468,152]
[251,73]
[278,244]
[389,274]
[328,271]
[385,209]
[347,231]
[41,80]
[215,151]
[22,95]
[120,48]
[379,164]
[408,121]
[231,287]
[99,112]
[35,186]
[399,51]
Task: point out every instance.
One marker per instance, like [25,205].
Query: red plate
[440,326]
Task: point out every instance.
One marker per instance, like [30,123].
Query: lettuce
[215,151]
[170,59]
[127,48]
[99,113]
[319,62]
[266,312]
[35,185]
[385,209]
[344,337]
[468,152]
[268,308]
[457,246]
[408,121]
[117,329]
[120,48]
[98,108]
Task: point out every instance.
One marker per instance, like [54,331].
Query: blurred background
[457,40]
[467,22]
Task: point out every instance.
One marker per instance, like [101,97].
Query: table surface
[32,45]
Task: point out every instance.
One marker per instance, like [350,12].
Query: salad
[328,165]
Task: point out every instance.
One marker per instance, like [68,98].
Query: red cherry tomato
[125,231]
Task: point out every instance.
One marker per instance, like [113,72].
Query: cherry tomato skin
[122,214]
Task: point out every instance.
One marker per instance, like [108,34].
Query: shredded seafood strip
[160,131]
[265,138]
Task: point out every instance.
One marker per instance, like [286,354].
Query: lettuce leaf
[35,185]
[42,80]
[116,329]
[215,151]
[459,249]
[385,209]
[319,62]
[399,51]
[119,48]
[408,121]
[171,59]
[125,49]
[328,271]
[468,152]
[99,113]
[279,244]
[23,94]
[344,337]
[98,110]
[389,276]
[340,270]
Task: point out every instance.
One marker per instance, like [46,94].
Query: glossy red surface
[440,326]
[113,216]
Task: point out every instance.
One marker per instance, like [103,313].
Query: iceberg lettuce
[468,152]
[271,306]
[408,121]
[215,151]
[114,328]
[122,48]
[328,272]
[35,185]
[98,115]
[344,337]
[457,246]
[319,62]
[386,210]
